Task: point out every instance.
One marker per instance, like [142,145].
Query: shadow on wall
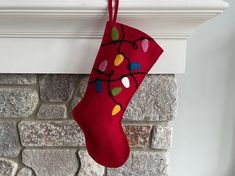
[229,114]
[227,149]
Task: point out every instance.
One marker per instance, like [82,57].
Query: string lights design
[132,67]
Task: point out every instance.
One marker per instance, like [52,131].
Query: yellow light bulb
[118,59]
[116,109]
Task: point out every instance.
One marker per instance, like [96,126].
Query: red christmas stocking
[124,58]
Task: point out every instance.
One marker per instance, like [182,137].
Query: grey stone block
[137,135]
[52,111]
[82,85]
[51,162]
[143,164]
[155,100]
[50,133]
[9,139]
[25,172]
[7,167]
[18,79]
[88,166]
[56,88]
[162,136]
[17,102]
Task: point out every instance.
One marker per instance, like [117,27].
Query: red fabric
[105,140]
[111,17]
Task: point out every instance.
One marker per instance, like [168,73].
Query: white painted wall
[204,130]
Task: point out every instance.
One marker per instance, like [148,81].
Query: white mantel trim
[169,22]
[102,5]
[91,10]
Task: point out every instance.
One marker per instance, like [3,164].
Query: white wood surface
[63,36]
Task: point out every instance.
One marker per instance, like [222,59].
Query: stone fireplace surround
[39,137]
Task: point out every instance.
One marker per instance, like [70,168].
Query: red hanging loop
[112,18]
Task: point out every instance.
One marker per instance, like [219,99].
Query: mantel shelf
[47,36]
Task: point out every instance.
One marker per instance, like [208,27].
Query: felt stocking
[125,56]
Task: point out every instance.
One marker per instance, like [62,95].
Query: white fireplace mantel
[63,36]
